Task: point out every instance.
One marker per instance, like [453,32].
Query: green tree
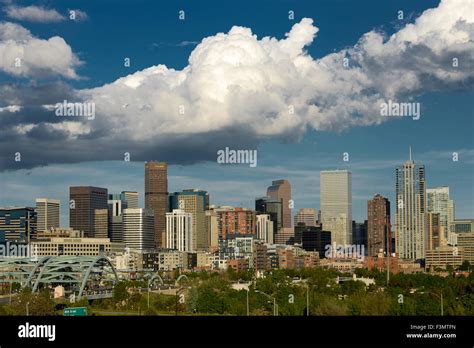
[330,306]
[37,303]
[466,266]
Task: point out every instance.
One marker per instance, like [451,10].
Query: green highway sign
[75,312]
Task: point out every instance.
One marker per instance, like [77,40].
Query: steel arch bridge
[17,270]
[153,279]
[75,272]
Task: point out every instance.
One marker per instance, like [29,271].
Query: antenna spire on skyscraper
[410,153]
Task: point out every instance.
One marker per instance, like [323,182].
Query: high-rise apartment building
[179,230]
[308,216]
[235,220]
[437,201]
[336,204]
[138,228]
[435,235]
[379,234]
[156,197]
[264,226]
[466,242]
[410,192]
[195,202]
[48,213]
[83,201]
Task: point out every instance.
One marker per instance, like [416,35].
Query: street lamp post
[248,309]
[148,297]
[27,309]
[442,306]
[307,300]
[440,296]
[388,256]
[275,305]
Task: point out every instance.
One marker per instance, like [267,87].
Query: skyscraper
[101,224]
[272,207]
[313,238]
[359,234]
[48,211]
[117,204]
[410,226]
[212,228]
[437,201]
[156,196]
[83,200]
[196,202]
[336,204]
[138,228]
[308,216]
[379,235]
[466,242]
[281,191]
[131,197]
[265,228]
[17,224]
[179,230]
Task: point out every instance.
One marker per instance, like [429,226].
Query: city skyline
[230,200]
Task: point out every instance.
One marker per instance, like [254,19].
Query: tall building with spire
[410,191]
[156,197]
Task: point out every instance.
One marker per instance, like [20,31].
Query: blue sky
[150,33]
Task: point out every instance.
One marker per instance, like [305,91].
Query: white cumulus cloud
[34,14]
[22,54]
[237,80]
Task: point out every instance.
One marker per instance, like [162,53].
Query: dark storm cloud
[44,146]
